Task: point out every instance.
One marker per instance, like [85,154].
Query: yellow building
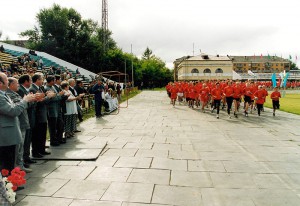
[260,64]
[203,67]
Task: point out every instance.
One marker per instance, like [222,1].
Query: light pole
[132,67]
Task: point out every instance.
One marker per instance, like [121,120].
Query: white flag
[251,73]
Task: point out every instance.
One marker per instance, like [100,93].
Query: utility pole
[104,24]
[132,68]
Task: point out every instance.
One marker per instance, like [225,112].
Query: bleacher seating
[9,56]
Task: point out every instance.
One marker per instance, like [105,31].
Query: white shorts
[180,94]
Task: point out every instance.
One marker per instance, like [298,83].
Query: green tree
[63,33]
[293,66]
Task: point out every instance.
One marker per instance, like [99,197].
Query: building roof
[257,59]
[206,57]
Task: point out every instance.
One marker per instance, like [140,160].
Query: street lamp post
[132,67]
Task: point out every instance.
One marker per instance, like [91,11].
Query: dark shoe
[27,166]
[81,120]
[77,131]
[54,144]
[46,153]
[19,188]
[37,155]
[29,161]
[63,141]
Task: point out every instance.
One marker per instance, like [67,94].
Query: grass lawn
[289,103]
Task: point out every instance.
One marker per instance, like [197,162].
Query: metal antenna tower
[104,22]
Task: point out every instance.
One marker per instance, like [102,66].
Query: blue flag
[274,80]
[285,79]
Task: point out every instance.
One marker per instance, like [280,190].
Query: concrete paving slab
[133,162]
[184,196]
[71,172]
[42,186]
[110,174]
[121,152]
[184,155]
[191,179]
[129,192]
[206,166]
[38,201]
[226,197]
[152,153]
[169,164]
[154,176]
[232,180]
[94,203]
[72,154]
[140,204]
[83,189]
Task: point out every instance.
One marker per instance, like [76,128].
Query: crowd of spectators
[34,100]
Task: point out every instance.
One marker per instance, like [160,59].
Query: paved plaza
[159,155]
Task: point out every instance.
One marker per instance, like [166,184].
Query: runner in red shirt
[204,96]
[260,96]
[216,93]
[275,99]
[237,94]
[228,93]
[247,97]
[173,91]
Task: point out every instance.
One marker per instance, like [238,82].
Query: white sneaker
[229,116]
[217,116]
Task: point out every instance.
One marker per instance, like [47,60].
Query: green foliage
[293,66]
[63,33]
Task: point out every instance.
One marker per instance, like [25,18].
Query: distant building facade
[203,67]
[260,64]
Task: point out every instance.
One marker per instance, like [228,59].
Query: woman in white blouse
[70,110]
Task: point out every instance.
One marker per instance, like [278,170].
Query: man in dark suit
[53,110]
[79,89]
[39,131]
[98,89]
[60,118]
[25,83]
[10,133]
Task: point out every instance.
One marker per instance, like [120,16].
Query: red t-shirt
[261,96]
[217,93]
[237,92]
[275,96]
[228,91]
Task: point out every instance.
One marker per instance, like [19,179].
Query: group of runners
[224,94]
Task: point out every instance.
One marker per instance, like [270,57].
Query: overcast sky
[171,27]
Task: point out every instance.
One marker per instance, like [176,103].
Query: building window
[219,70]
[195,71]
[206,71]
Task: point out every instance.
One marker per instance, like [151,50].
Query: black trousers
[39,134]
[98,107]
[59,127]
[229,101]
[7,157]
[217,103]
[259,108]
[52,123]
[27,143]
